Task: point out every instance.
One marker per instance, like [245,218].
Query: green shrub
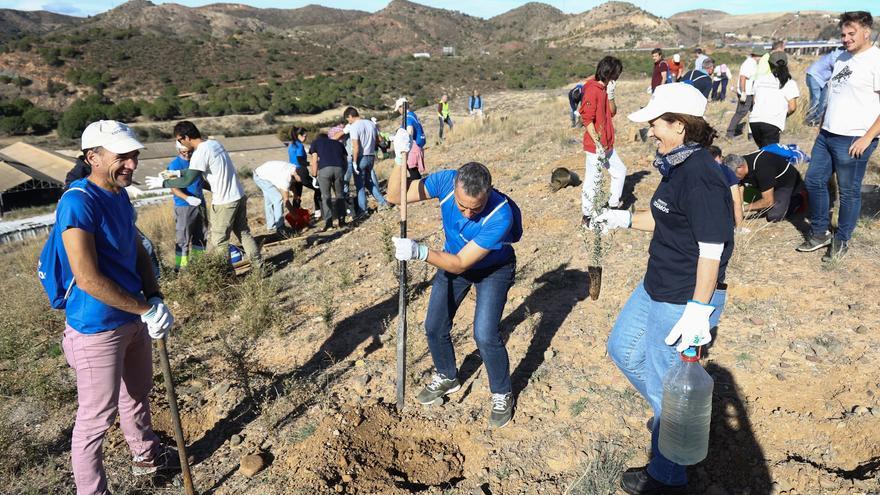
[39,120]
[13,126]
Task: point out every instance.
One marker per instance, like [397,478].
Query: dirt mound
[375,450]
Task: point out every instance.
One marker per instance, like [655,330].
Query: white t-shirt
[748,69]
[771,101]
[214,162]
[853,99]
[277,172]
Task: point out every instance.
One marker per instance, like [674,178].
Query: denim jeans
[637,347]
[366,180]
[818,100]
[273,203]
[447,292]
[831,155]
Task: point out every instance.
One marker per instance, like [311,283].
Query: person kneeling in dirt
[480,224]
[781,186]
[112,310]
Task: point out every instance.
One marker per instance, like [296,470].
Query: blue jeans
[366,180]
[273,203]
[818,99]
[831,155]
[637,347]
[447,292]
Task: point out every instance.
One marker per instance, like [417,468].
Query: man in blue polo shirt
[189,220]
[113,309]
[480,224]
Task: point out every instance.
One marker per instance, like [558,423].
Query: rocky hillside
[720,25]
[18,22]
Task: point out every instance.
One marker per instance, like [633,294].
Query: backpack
[53,267]
[516,229]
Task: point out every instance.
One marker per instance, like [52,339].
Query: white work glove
[742,97]
[193,201]
[402,141]
[158,318]
[408,249]
[610,89]
[354,167]
[693,327]
[612,219]
[315,182]
[154,182]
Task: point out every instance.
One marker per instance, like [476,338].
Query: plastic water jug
[687,411]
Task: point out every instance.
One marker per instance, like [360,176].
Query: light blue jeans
[637,347]
[831,155]
[366,180]
[273,203]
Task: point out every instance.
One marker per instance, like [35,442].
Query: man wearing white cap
[112,310]
[683,292]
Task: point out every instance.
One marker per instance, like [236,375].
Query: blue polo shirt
[490,229]
[418,132]
[691,205]
[296,153]
[110,218]
[194,189]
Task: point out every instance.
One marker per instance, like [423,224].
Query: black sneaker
[502,410]
[439,386]
[327,226]
[342,223]
[639,482]
[585,221]
[165,460]
[836,251]
[814,242]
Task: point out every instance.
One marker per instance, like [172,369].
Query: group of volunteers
[698,205]
[114,306]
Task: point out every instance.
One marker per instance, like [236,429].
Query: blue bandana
[665,163]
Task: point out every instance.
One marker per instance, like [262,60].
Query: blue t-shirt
[418,132]
[691,205]
[729,175]
[489,229]
[110,218]
[194,189]
[296,153]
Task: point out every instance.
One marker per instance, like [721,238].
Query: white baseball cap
[399,103]
[111,135]
[373,119]
[676,58]
[672,98]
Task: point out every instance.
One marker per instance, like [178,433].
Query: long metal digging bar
[175,417]
[401,310]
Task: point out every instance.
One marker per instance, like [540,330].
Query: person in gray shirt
[364,135]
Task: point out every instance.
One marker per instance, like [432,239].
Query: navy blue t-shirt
[331,153]
[729,175]
[691,205]
[490,229]
[699,80]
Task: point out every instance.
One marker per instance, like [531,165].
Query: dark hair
[777,44]
[350,112]
[696,129]
[322,135]
[657,51]
[698,50]
[858,17]
[715,151]
[296,132]
[780,71]
[608,69]
[474,178]
[186,129]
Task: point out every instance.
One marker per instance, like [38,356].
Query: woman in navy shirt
[683,292]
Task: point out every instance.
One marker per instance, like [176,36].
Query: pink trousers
[114,372]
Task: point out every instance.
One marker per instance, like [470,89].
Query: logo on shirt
[661,205]
[843,76]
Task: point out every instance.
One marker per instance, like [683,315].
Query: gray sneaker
[502,410]
[439,386]
[836,251]
[814,242]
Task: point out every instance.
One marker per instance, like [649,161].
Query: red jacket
[596,108]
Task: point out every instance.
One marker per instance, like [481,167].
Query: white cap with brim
[678,98]
[399,103]
[111,135]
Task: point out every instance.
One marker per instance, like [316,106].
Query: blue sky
[481,8]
